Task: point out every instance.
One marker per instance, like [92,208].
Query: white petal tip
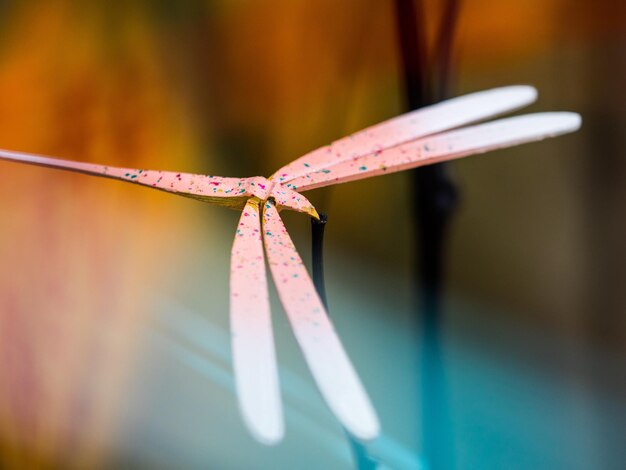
[264,421]
[365,427]
[522,94]
[572,120]
[267,435]
[367,434]
[557,123]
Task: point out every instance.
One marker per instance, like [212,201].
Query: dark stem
[435,201]
[442,61]
[412,42]
[317,256]
[435,198]
[362,460]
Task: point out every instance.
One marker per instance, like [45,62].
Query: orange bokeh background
[232,88]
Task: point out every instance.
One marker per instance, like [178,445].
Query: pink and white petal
[230,192]
[426,121]
[322,349]
[447,146]
[286,198]
[254,358]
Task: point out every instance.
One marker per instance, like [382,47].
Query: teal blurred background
[115,348]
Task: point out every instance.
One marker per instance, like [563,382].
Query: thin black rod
[362,460]
[317,256]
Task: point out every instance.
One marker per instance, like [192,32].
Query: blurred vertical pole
[435,198]
[362,460]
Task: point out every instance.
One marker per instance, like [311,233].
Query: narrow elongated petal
[426,121]
[286,198]
[252,343]
[229,192]
[447,146]
[323,352]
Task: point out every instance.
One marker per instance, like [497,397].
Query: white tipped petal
[329,364]
[252,341]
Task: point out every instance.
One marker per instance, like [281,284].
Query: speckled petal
[254,359]
[404,142]
[287,198]
[430,120]
[229,192]
[450,145]
[323,352]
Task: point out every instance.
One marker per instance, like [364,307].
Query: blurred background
[114,347]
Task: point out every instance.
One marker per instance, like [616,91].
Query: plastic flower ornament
[422,137]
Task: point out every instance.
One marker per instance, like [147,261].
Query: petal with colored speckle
[252,343]
[329,364]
